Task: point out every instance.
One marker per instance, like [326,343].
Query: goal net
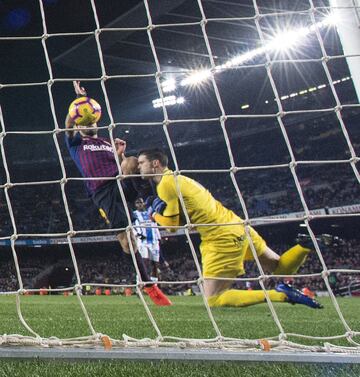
[257,100]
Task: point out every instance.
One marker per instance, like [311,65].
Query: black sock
[141,266]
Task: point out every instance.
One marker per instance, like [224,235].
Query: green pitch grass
[114,315]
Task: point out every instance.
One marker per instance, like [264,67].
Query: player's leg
[154,292]
[229,264]
[295,257]
[242,298]
[286,264]
[214,287]
[219,293]
[290,262]
[145,254]
[164,264]
[154,257]
[269,260]
[112,209]
[123,238]
[155,272]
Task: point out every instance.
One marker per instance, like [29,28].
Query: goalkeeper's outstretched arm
[167,221]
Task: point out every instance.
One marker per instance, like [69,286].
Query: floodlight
[196,77]
[167,101]
[168,85]
[239,59]
[282,41]
[168,82]
[332,18]
[285,40]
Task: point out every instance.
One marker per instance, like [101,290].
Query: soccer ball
[84,111]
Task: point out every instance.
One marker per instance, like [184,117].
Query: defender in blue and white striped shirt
[148,238]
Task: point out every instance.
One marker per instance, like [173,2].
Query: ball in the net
[85,111]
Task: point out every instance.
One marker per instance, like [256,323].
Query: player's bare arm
[70,126]
[128,164]
[120,146]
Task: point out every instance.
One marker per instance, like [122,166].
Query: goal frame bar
[172,354]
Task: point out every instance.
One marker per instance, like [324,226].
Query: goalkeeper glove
[155,204]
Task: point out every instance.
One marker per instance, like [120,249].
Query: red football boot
[157,296]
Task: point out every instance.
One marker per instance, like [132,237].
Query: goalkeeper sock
[291,260]
[240,298]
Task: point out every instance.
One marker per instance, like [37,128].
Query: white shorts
[149,251]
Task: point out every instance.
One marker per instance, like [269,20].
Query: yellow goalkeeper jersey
[201,207]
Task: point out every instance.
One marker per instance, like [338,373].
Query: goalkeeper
[94,157]
[223,248]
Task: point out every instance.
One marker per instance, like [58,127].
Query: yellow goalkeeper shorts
[225,257]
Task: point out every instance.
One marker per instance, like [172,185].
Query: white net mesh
[260,19]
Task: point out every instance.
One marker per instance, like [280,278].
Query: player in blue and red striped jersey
[95,158]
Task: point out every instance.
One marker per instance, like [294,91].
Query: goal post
[347,13]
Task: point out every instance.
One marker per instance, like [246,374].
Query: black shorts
[108,200]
